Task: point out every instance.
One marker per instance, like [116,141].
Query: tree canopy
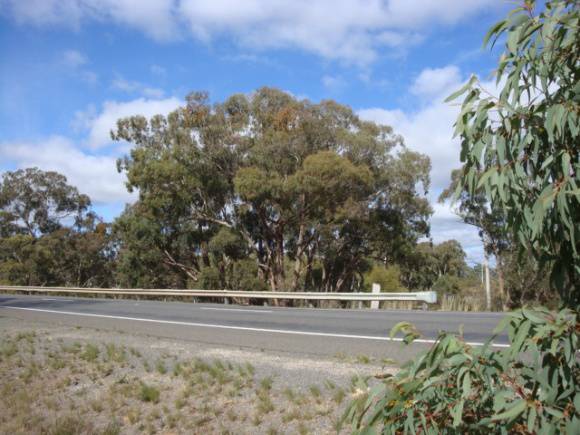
[36,202]
[48,235]
[309,192]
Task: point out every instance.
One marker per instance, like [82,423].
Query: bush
[210,278]
[91,353]
[448,285]
[389,278]
[245,276]
[148,393]
[531,387]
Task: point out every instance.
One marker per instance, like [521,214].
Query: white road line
[58,300]
[235,309]
[238,328]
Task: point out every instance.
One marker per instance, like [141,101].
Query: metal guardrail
[429,297]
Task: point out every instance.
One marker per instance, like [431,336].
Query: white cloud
[75,63]
[125,85]
[333,83]
[95,175]
[89,77]
[152,92]
[348,30]
[436,82]
[353,31]
[153,17]
[158,70]
[100,124]
[74,58]
[134,87]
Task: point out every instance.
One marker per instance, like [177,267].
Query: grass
[8,350]
[315,391]
[113,428]
[177,369]
[180,402]
[294,414]
[289,394]
[160,367]
[69,425]
[363,359]
[74,348]
[265,404]
[103,389]
[329,385]
[91,353]
[250,370]
[266,383]
[338,396]
[303,429]
[149,393]
[115,353]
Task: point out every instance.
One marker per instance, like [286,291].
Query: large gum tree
[313,192]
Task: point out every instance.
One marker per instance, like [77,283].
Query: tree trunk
[299,254]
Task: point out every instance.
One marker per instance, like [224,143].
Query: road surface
[325,332]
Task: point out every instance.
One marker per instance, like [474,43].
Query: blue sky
[70,68]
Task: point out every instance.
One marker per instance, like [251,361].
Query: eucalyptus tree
[522,149]
[36,202]
[49,235]
[474,209]
[521,146]
[311,190]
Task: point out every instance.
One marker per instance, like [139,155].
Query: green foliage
[520,154]
[90,353]
[531,387]
[521,148]
[426,264]
[525,282]
[141,244]
[245,276]
[447,284]
[308,192]
[227,243]
[35,202]
[387,277]
[148,393]
[36,245]
[210,278]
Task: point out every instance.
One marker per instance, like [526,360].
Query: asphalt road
[327,332]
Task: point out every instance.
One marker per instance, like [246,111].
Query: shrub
[91,353]
[388,277]
[531,387]
[148,393]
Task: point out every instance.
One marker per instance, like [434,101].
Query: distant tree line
[261,192]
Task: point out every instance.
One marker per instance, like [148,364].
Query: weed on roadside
[149,393]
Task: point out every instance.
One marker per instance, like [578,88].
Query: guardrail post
[376,290]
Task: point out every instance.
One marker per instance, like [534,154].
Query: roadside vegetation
[258,192]
[54,384]
[520,181]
